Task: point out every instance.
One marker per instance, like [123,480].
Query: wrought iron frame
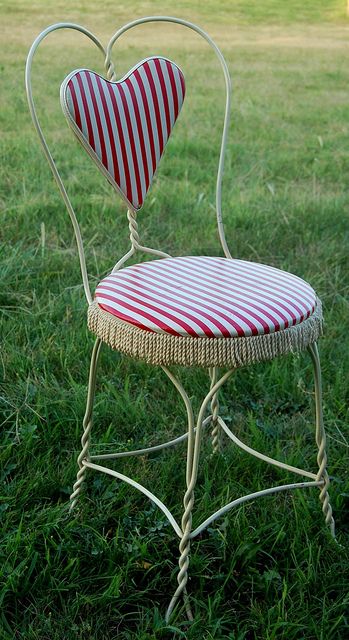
[193,435]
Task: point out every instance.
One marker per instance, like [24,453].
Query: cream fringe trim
[166,349]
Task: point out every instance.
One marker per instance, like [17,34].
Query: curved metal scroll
[140,488]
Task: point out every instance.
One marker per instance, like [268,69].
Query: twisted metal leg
[216,432]
[87,424]
[188,501]
[321,440]
[193,453]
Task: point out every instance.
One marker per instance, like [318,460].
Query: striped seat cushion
[125,125]
[206,297]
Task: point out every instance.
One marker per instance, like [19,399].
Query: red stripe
[174,89]
[256,270]
[86,111]
[75,104]
[156,105]
[147,116]
[243,283]
[98,120]
[248,322]
[110,129]
[140,134]
[132,285]
[206,304]
[269,274]
[250,290]
[189,329]
[156,92]
[239,329]
[132,144]
[118,285]
[270,291]
[124,316]
[230,308]
[150,317]
[164,96]
[121,141]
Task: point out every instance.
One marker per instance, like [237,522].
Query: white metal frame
[193,435]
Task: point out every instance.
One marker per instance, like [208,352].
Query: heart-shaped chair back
[125,125]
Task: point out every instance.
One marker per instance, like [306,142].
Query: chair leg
[87,424]
[216,432]
[193,449]
[193,454]
[183,561]
[321,440]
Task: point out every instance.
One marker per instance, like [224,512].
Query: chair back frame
[111,76]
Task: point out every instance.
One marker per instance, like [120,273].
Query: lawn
[268,570]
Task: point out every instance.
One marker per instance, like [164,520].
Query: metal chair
[193,311]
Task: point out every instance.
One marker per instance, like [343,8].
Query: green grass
[269,570]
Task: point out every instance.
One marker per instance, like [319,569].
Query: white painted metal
[252,496]
[320,437]
[216,430]
[135,246]
[263,457]
[143,452]
[136,485]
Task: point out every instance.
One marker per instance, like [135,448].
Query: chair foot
[182,579]
[184,548]
[320,436]
[183,561]
[326,505]
[73,499]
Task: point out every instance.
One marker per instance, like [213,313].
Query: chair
[209,312]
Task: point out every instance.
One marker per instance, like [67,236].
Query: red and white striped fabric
[206,297]
[125,125]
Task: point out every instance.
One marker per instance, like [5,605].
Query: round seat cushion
[206,297]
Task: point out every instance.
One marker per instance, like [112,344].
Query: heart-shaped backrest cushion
[125,125]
